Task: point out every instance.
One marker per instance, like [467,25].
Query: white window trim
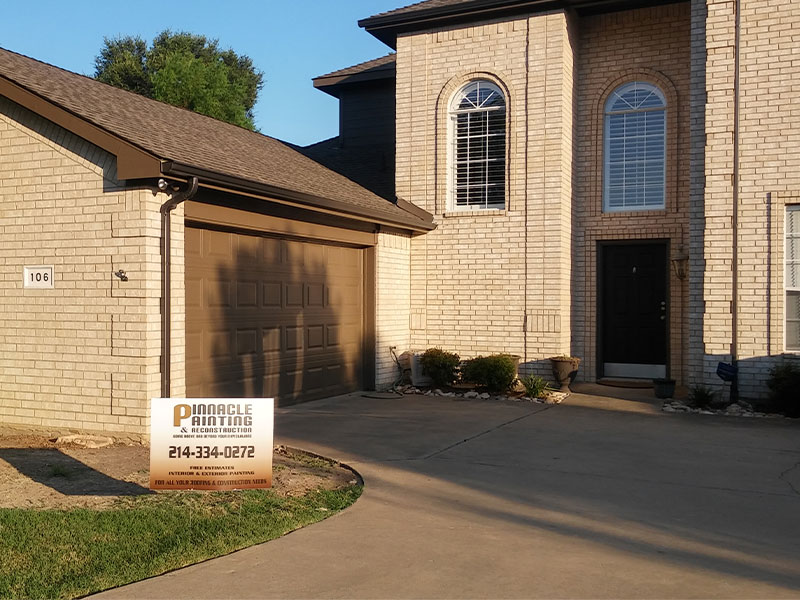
[606,150]
[452,207]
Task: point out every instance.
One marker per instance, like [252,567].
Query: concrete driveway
[594,498]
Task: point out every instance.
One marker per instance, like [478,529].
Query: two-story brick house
[617,180]
[614,180]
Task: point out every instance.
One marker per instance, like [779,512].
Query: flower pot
[664,388]
[565,368]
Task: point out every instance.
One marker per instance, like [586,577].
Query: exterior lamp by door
[680,264]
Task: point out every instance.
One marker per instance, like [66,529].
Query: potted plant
[664,387]
[565,368]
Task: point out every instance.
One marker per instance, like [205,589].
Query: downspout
[166,280]
[735,217]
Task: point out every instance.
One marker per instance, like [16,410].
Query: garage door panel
[344,296]
[271,250]
[246,294]
[217,293]
[271,341]
[194,293]
[217,244]
[315,295]
[217,344]
[315,337]
[294,295]
[271,294]
[246,342]
[193,242]
[314,257]
[248,250]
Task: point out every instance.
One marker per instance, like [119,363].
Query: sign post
[211,443]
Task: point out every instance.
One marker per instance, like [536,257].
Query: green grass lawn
[65,554]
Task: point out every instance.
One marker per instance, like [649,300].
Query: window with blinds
[792,281]
[478,150]
[635,148]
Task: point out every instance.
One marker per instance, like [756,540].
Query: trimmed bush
[783,384]
[496,372]
[535,386]
[439,365]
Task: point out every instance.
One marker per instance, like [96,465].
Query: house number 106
[38,277]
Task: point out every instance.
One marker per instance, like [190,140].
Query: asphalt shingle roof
[418,6]
[376,64]
[188,138]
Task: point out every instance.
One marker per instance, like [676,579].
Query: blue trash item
[726,372]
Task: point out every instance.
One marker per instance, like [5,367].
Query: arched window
[478,147]
[635,148]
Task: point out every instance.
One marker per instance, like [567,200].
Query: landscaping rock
[471,395]
[740,409]
[484,396]
[555,397]
[86,441]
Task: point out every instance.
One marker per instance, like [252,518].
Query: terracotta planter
[664,388]
[564,370]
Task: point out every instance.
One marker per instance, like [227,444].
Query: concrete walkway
[594,498]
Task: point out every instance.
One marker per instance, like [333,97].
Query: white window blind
[478,155]
[792,278]
[635,148]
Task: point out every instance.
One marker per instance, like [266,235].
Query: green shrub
[701,396]
[783,384]
[496,372]
[439,365]
[535,386]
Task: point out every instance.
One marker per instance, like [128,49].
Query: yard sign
[211,443]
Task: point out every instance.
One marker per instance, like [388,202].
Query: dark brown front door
[272,317]
[633,310]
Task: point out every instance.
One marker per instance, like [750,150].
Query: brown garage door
[270,317]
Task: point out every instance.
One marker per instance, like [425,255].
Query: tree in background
[186,70]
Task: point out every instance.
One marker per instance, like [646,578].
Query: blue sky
[291,41]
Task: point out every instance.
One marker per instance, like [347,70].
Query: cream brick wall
[523,280]
[493,281]
[84,355]
[769,179]
[392,304]
[646,45]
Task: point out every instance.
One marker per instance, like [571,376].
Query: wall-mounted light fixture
[680,263]
[121,274]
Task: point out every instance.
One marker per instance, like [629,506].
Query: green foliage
[701,396]
[535,386]
[439,365]
[186,70]
[496,372]
[121,63]
[67,554]
[783,384]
